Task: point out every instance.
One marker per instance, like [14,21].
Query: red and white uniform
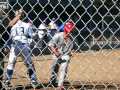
[64,47]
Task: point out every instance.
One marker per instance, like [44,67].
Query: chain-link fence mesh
[95,57]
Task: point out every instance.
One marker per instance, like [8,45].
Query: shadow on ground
[69,86]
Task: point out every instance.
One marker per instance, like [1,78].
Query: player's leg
[63,70]
[11,64]
[62,74]
[29,65]
[54,71]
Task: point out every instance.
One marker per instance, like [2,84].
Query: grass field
[87,70]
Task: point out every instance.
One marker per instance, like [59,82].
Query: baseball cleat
[34,83]
[53,83]
[61,88]
[6,84]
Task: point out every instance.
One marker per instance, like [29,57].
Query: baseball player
[52,28]
[61,46]
[42,30]
[20,33]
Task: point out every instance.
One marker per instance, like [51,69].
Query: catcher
[61,46]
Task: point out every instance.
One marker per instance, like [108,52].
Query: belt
[18,42]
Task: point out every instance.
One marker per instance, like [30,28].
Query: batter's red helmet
[69,26]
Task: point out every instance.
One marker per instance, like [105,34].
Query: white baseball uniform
[65,50]
[21,32]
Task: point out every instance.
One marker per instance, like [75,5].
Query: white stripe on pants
[63,68]
[63,73]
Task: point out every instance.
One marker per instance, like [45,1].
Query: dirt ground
[92,69]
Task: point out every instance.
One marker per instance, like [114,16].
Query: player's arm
[55,51]
[13,22]
[16,18]
[52,45]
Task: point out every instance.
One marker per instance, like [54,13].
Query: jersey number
[20,31]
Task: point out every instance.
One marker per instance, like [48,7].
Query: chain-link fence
[95,57]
